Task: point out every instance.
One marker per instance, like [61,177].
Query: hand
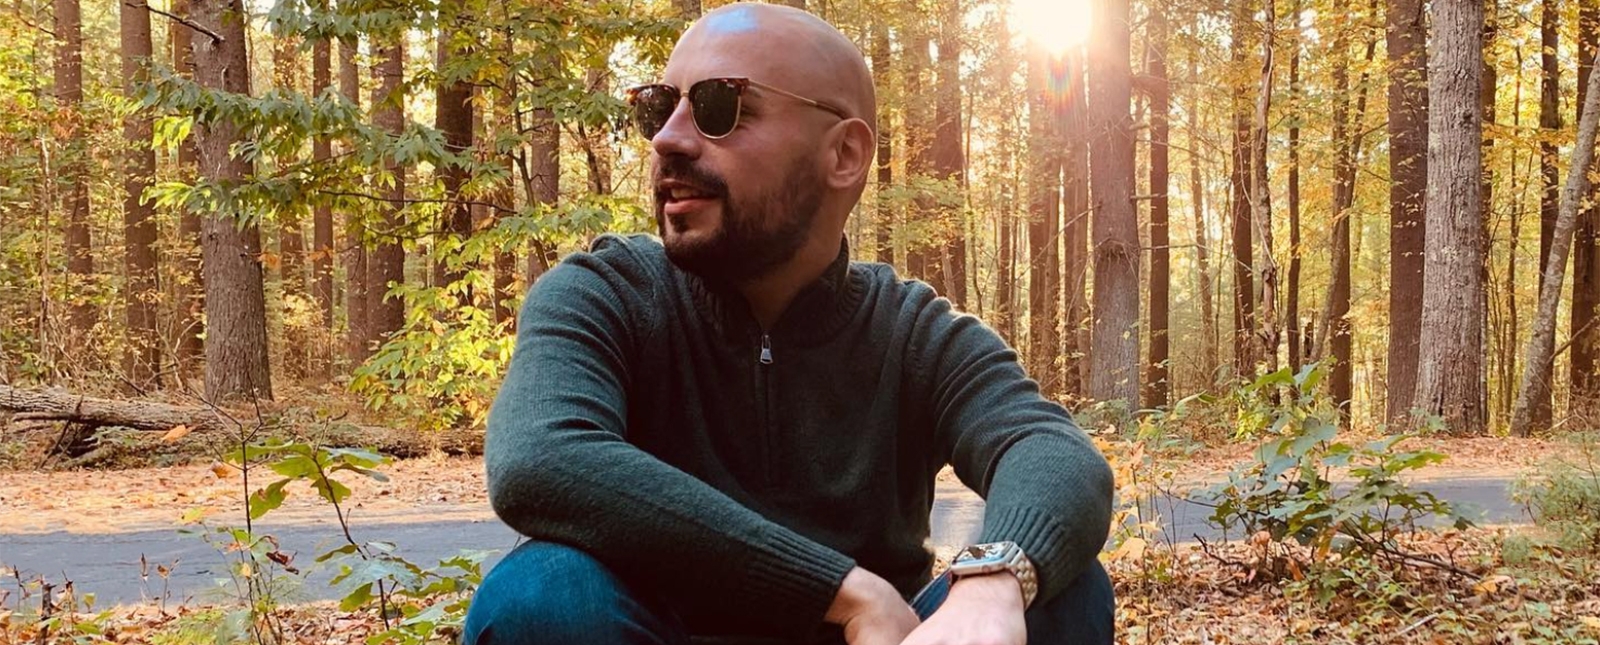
[980,610]
[870,610]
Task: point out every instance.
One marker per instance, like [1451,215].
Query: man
[734,433]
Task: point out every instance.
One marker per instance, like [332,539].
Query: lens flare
[1056,25]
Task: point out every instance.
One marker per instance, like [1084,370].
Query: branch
[216,38]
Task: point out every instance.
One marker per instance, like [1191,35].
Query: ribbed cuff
[797,577]
[1041,538]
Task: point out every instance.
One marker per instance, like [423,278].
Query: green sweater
[648,420]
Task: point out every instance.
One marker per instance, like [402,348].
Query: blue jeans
[551,594]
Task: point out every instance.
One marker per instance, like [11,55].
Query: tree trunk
[1408,170]
[1074,129]
[543,181]
[322,217]
[918,138]
[883,73]
[1584,380]
[1044,177]
[595,149]
[236,311]
[387,263]
[1244,317]
[1114,367]
[1202,241]
[142,362]
[453,117]
[1535,386]
[1266,334]
[1157,377]
[188,291]
[291,233]
[74,166]
[1450,376]
[1349,134]
[1291,323]
[1549,171]
[355,264]
[948,160]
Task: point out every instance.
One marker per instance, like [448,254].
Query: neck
[769,295]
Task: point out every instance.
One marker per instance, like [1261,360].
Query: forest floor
[1502,585]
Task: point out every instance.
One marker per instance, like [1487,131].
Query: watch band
[983,559]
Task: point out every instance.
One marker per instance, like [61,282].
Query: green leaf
[267,499]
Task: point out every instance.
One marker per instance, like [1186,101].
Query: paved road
[108,564]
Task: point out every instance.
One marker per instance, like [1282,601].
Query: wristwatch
[983,559]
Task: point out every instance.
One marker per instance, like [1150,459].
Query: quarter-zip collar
[817,312]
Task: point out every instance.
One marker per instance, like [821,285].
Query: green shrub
[1565,496]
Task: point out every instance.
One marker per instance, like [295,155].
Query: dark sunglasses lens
[652,107]
[716,106]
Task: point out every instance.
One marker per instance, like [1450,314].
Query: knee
[1082,613]
[551,593]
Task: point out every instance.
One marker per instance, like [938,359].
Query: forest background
[1233,214]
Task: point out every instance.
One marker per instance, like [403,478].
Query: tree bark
[1292,289]
[1450,375]
[883,74]
[1157,377]
[322,217]
[355,264]
[453,116]
[291,233]
[74,166]
[236,315]
[1244,317]
[1406,38]
[1044,177]
[142,360]
[189,290]
[1074,129]
[1266,334]
[542,180]
[1114,366]
[1202,238]
[1349,134]
[387,262]
[948,161]
[918,143]
[1584,381]
[1535,386]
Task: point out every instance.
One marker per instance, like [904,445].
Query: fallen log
[56,404]
[59,405]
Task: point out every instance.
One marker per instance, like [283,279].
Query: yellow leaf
[177,432]
[1132,549]
[1592,622]
[221,470]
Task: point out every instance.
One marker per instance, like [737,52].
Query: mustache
[681,168]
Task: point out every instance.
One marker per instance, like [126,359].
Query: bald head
[780,46]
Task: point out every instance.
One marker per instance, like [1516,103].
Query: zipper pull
[766,349]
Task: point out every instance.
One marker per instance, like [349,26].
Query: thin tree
[1266,333]
[322,215]
[1074,128]
[387,262]
[75,162]
[883,74]
[1550,197]
[1406,39]
[1292,288]
[188,288]
[1114,366]
[142,361]
[1157,386]
[236,312]
[1202,241]
[1044,198]
[950,261]
[291,233]
[355,263]
[1244,317]
[1450,374]
[1535,386]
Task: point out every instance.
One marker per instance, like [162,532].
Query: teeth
[684,193]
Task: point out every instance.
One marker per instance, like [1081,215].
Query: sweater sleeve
[1045,486]
[560,467]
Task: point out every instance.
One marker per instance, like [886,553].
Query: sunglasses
[715,104]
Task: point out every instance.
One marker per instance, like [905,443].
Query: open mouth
[678,198]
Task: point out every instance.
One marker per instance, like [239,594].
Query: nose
[679,136]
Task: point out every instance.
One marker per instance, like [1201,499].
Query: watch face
[982,553]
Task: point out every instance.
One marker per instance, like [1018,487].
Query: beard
[757,234]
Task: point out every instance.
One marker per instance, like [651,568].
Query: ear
[850,155]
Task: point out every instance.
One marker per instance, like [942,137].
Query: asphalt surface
[109,564]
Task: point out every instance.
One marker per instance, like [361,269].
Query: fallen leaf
[177,432]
